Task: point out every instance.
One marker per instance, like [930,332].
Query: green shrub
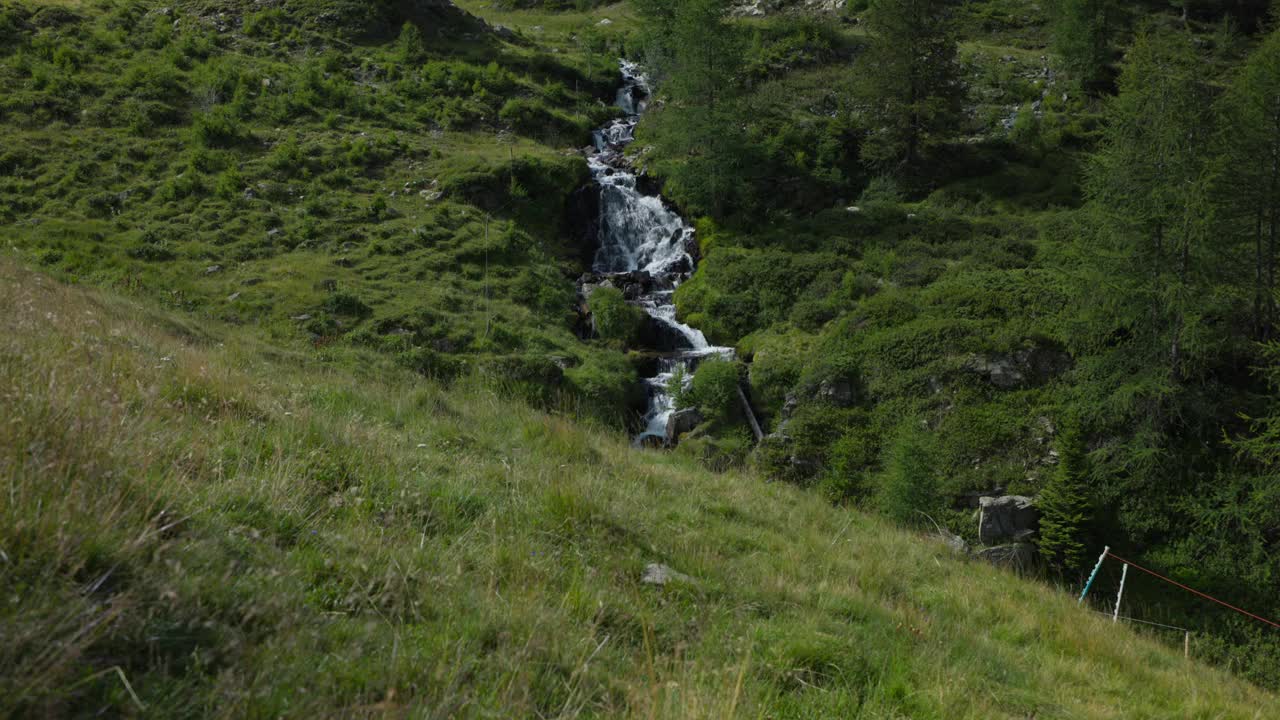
[908,485]
[614,318]
[534,118]
[714,389]
[151,252]
[341,303]
[607,386]
[218,127]
[229,184]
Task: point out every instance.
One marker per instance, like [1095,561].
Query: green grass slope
[196,522]
[393,175]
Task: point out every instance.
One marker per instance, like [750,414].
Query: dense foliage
[1001,248]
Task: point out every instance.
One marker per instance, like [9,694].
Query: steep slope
[335,172]
[198,522]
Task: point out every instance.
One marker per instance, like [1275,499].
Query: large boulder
[681,422]
[1010,517]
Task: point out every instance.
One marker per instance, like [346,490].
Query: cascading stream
[648,243]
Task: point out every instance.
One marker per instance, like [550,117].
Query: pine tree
[1064,505]
[908,485]
[911,84]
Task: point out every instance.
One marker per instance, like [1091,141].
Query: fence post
[1124,572]
[1094,574]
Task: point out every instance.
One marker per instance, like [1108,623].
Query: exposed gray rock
[1021,368]
[954,542]
[763,8]
[1010,517]
[999,371]
[659,574]
[681,422]
[838,392]
[1015,556]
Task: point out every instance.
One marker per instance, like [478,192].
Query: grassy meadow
[198,522]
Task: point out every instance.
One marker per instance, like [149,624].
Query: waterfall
[640,237]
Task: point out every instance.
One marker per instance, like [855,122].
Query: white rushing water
[639,232]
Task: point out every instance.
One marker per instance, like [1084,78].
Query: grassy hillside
[398,176]
[201,523]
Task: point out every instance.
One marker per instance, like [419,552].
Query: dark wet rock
[660,335]
[836,391]
[582,219]
[681,422]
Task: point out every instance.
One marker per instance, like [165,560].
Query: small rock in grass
[659,574]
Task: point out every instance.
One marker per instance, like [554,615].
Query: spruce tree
[1064,505]
[911,87]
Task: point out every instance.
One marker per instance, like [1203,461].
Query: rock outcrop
[1010,517]
[681,422]
[1026,367]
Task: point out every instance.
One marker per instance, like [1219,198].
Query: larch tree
[1150,181]
[1081,33]
[701,53]
[910,83]
[1249,195]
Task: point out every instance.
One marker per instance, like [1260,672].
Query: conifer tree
[1150,286]
[911,85]
[1249,195]
[1150,180]
[700,125]
[1064,505]
[1081,33]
